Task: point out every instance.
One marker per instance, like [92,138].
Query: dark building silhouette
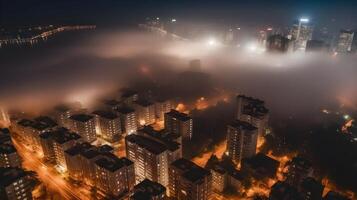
[277,43]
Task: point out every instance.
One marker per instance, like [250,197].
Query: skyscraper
[150,158]
[84,125]
[241,140]
[188,181]
[179,123]
[148,190]
[9,156]
[277,43]
[8,153]
[347,41]
[300,33]
[15,184]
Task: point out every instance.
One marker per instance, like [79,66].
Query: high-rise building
[179,123]
[347,41]
[149,157]
[253,111]
[173,142]
[99,167]
[148,190]
[111,105]
[188,181]
[277,43]
[109,125]
[115,176]
[300,33]
[84,125]
[241,140]
[9,156]
[30,130]
[128,97]
[8,153]
[145,112]
[128,120]
[219,178]
[79,164]
[63,112]
[298,169]
[15,184]
[162,107]
[55,143]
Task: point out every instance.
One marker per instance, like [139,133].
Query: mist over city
[155,100]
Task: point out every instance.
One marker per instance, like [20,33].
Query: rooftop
[148,188]
[40,123]
[178,115]
[112,163]
[196,174]
[147,143]
[105,114]
[238,124]
[79,148]
[190,171]
[262,164]
[125,110]
[160,137]
[61,135]
[254,107]
[143,102]
[81,117]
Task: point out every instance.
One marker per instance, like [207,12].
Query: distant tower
[300,33]
[347,41]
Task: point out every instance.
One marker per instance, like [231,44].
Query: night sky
[331,13]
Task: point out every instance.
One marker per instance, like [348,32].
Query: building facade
[179,123]
[241,140]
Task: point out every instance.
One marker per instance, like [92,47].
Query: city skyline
[189,100]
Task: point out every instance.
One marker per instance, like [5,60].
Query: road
[51,179]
